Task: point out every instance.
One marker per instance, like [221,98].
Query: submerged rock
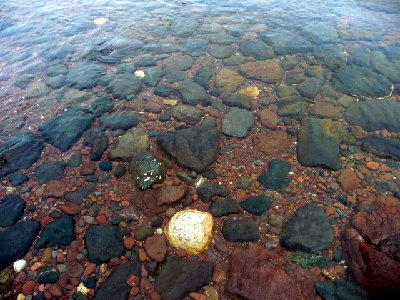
[85,76]
[228,80]
[122,121]
[256,205]
[11,209]
[256,49]
[320,33]
[342,289]
[125,86]
[53,170]
[224,207]
[130,144]
[57,233]
[237,122]
[188,114]
[285,42]
[276,176]
[146,170]
[208,190]
[268,71]
[382,146]
[240,231]
[193,94]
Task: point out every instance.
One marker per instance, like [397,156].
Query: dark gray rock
[340,289]
[308,230]
[47,275]
[203,75]
[310,87]
[182,28]
[85,76]
[64,130]
[285,42]
[103,242]
[256,49]
[162,91]
[119,171]
[106,166]
[193,94]
[146,170]
[124,86]
[208,190]
[115,50]
[80,193]
[224,207]
[381,146]
[143,232]
[179,277]
[153,76]
[256,205]
[75,160]
[16,240]
[11,209]
[57,233]
[331,55]
[176,76]
[101,106]
[237,122]
[178,63]
[238,100]
[17,179]
[195,47]
[240,231]
[99,146]
[122,121]
[276,176]
[220,51]
[188,114]
[320,33]
[53,170]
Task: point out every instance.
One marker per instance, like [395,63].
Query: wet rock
[103,242]
[119,171]
[276,176]
[101,106]
[74,97]
[153,107]
[115,50]
[310,87]
[71,208]
[47,275]
[188,114]
[75,160]
[348,180]
[195,148]
[268,71]
[55,188]
[124,86]
[147,202]
[11,209]
[85,76]
[240,231]
[122,121]
[37,89]
[146,170]
[224,207]
[382,146]
[256,49]
[256,205]
[142,233]
[243,183]
[234,60]
[153,75]
[163,91]
[271,142]
[203,75]
[21,237]
[57,233]
[178,278]
[285,42]
[178,63]
[20,151]
[182,28]
[208,190]
[320,33]
[105,166]
[257,273]
[361,81]
[228,80]
[375,115]
[388,68]
[193,94]
[195,47]
[268,119]
[222,38]
[17,179]
[53,170]
[237,122]
[55,82]
[115,286]
[88,168]
[64,130]
[130,144]
[340,288]
[156,247]
[99,146]
[220,51]
[326,110]
[80,193]
[238,100]
[331,55]
[170,195]
[308,230]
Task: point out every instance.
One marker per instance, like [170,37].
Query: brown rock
[129,242]
[268,118]
[170,195]
[74,269]
[28,287]
[271,142]
[146,201]
[198,296]
[326,109]
[71,208]
[156,247]
[372,165]
[55,290]
[257,273]
[73,250]
[55,188]
[348,180]
[46,256]
[87,168]
[133,281]
[268,71]
[152,107]
[142,255]
[228,80]
[90,268]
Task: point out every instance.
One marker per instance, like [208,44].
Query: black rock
[106,166]
[75,160]
[276,176]
[90,282]
[99,146]
[146,170]
[16,240]
[122,121]
[162,91]
[195,148]
[64,130]
[47,275]
[208,190]
[19,152]
[382,146]
[157,222]
[57,233]
[256,205]
[53,170]
[103,242]
[17,179]
[178,278]
[119,171]
[210,174]
[340,289]
[240,231]
[115,287]
[151,267]
[11,209]
[224,207]
[308,230]
[80,193]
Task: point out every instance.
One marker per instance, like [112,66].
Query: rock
[308,230]
[71,208]
[17,179]
[115,286]
[243,183]
[195,46]
[340,288]
[80,193]
[124,86]
[57,233]
[156,247]
[381,146]
[74,97]
[326,110]
[75,160]
[20,151]
[55,188]
[224,207]
[74,269]
[331,55]
[178,63]
[176,76]
[105,166]
[276,176]
[21,237]
[194,148]
[188,114]
[193,94]
[220,51]
[390,69]
[361,81]
[228,80]
[47,275]
[37,89]
[203,75]
[178,278]
[256,49]
[153,75]
[87,168]
[310,87]
[163,91]
[238,100]
[115,50]
[11,209]
[348,180]
[122,121]
[375,115]
[130,144]
[142,233]
[64,130]
[234,60]
[320,33]
[103,242]
[237,122]
[85,76]
[318,143]
[271,142]
[268,71]
[222,38]
[53,170]
[170,195]
[146,170]
[119,171]
[208,190]
[256,273]
[240,231]
[256,205]
[147,202]
[285,42]
[99,146]
[101,106]
[268,119]
[153,107]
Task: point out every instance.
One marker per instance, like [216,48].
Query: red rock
[257,273]
[90,268]
[56,290]
[47,295]
[114,262]
[152,107]
[348,180]
[146,201]
[133,281]
[87,168]
[28,287]
[271,142]
[71,208]
[73,250]
[145,284]
[142,255]
[55,188]
[101,219]
[134,291]
[45,220]
[155,296]
[156,247]
[129,242]
[74,269]
[170,195]
[268,118]
[181,252]
[198,296]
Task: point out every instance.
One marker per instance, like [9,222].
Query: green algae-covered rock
[146,170]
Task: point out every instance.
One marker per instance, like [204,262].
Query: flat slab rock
[11,209]
[179,277]
[60,232]
[256,273]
